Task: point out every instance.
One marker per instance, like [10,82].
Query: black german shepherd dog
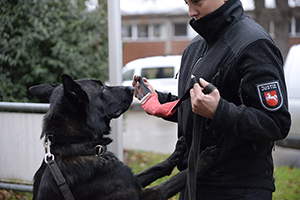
[76,122]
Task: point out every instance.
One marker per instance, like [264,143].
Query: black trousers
[214,193]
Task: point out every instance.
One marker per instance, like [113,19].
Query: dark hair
[194,1]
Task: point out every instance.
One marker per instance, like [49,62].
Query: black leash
[193,159]
[56,173]
[60,180]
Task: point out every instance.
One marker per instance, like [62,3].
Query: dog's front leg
[163,168]
[167,189]
[176,183]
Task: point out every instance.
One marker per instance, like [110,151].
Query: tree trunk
[282,26]
[282,19]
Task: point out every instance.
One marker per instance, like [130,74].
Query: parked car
[159,70]
[292,76]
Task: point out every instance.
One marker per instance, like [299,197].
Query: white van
[159,70]
[292,78]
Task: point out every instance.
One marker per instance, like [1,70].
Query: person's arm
[168,97]
[161,98]
[260,68]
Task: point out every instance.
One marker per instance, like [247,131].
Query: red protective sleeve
[152,106]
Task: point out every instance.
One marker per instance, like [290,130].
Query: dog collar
[55,139]
[98,150]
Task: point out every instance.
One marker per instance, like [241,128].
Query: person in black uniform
[246,113]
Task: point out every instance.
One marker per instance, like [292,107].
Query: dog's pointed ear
[73,89]
[42,91]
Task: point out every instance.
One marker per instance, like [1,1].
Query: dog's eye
[103,89]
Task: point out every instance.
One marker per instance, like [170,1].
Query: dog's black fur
[78,119]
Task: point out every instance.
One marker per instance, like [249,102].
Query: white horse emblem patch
[270,95]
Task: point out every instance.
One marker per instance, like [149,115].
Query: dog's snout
[130,88]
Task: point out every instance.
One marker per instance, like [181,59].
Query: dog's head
[82,107]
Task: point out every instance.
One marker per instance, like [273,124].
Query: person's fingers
[196,90]
[203,82]
[148,85]
[195,95]
[204,98]
[136,86]
[136,82]
[136,94]
[136,78]
[207,87]
[192,93]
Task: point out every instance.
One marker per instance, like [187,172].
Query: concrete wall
[21,150]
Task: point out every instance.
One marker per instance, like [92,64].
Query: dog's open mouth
[119,112]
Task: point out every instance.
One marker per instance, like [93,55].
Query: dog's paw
[210,153]
[179,151]
[207,158]
[175,158]
[180,146]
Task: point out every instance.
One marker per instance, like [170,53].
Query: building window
[297,25]
[126,31]
[272,28]
[158,72]
[157,31]
[143,31]
[128,75]
[180,29]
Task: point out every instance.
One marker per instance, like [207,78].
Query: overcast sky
[173,6]
[165,6]
[161,6]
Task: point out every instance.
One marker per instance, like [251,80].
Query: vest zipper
[198,60]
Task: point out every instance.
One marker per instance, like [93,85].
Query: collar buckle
[100,150]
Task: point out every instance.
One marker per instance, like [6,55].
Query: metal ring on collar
[101,150]
[48,157]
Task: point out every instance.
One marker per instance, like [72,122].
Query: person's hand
[139,87]
[204,104]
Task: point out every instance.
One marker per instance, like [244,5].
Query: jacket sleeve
[260,63]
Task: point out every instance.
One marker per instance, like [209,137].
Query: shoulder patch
[270,95]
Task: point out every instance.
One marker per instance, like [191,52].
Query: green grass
[11,195]
[287,183]
[140,160]
[287,178]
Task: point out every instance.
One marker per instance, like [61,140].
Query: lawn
[287,179]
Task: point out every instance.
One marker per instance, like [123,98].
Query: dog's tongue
[119,112]
[152,106]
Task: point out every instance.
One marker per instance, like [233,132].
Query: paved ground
[285,156]
[148,133]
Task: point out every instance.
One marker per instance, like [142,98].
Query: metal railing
[20,128]
[24,107]
[16,187]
